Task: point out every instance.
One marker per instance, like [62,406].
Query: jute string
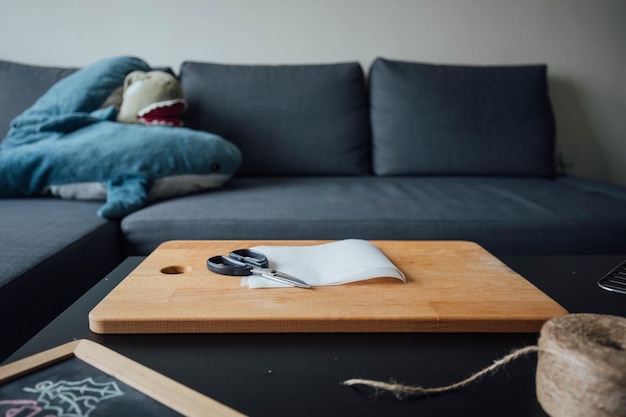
[581,368]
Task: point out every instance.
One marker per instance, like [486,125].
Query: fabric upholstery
[507,215]
[52,251]
[21,85]
[285,119]
[461,120]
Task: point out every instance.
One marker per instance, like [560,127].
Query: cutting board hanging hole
[175,269]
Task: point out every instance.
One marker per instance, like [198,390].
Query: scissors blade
[284,278]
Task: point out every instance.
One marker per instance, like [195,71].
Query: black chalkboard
[74,388]
[85,379]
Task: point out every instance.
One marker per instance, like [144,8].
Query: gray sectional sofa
[402,150]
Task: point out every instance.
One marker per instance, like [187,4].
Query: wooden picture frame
[151,384]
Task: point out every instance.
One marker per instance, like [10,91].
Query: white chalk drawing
[74,398]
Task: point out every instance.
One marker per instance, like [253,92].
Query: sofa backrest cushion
[471,120]
[285,119]
[21,85]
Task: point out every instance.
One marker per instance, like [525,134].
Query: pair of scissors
[243,262]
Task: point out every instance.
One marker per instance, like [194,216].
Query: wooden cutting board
[452,286]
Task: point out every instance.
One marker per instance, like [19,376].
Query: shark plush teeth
[163,113]
[152,98]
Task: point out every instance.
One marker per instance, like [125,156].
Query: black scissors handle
[250,257]
[225,265]
[243,262]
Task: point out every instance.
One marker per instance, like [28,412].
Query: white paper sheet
[333,263]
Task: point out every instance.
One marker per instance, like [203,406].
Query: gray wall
[582,41]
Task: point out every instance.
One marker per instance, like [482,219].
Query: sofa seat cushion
[285,119]
[51,252]
[461,120]
[507,215]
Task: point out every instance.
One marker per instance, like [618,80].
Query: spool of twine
[581,370]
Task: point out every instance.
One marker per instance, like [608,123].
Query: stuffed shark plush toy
[66,141]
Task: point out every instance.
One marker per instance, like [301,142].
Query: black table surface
[301,374]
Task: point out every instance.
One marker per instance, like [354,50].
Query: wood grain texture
[452,286]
